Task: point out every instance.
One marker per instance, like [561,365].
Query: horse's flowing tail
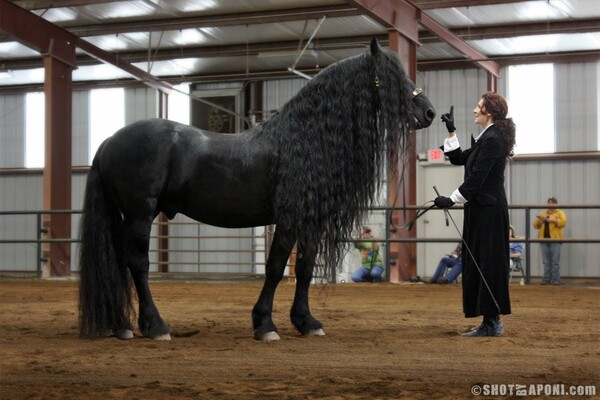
[105,288]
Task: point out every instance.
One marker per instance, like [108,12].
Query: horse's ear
[375,46]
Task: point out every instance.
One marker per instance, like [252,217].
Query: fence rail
[39,240]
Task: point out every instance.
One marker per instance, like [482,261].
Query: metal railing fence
[39,240]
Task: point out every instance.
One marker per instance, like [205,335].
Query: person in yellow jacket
[550,224]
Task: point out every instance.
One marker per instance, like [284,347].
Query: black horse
[311,169]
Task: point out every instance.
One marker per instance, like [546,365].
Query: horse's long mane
[331,140]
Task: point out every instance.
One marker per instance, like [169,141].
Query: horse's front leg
[137,243]
[300,312]
[262,322]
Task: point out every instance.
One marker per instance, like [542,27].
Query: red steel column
[403,255]
[57,169]
[163,221]
[492,84]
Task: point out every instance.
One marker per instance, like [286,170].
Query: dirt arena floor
[383,341]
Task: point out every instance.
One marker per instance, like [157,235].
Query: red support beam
[447,36]
[47,38]
[36,32]
[492,84]
[163,221]
[58,49]
[403,256]
[401,14]
[57,169]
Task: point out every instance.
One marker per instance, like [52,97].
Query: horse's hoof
[124,334]
[269,337]
[166,336]
[316,332]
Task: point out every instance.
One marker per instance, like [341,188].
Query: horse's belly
[231,214]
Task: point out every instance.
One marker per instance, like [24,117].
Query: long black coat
[485,228]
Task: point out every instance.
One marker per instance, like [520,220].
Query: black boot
[490,326]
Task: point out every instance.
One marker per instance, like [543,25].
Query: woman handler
[486,223]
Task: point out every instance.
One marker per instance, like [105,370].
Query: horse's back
[216,178]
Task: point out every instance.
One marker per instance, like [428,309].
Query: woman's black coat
[485,228]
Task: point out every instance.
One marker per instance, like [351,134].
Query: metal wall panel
[278,92]
[77,190]
[459,88]
[531,182]
[140,103]
[208,249]
[12,131]
[81,128]
[576,110]
[571,182]
[19,193]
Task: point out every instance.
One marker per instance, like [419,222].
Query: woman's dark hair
[496,105]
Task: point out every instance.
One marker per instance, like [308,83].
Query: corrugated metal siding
[527,182]
[576,111]
[572,182]
[12,131]
[81,128]
[140,103]
[199,248]
[278,92]
[459,88]
[19,192]
[77,190]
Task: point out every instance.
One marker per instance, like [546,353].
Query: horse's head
[421,110]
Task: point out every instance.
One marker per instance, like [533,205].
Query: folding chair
[516,265]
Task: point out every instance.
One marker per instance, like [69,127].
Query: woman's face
[482,118]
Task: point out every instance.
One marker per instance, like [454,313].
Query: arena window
[531,104]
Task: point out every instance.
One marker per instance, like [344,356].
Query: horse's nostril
[430,114]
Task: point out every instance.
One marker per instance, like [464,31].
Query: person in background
[485,226]
[452,261]
[550,224]
[515,252]
[371,269]
[515,249]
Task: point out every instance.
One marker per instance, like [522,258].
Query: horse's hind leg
[262,322]
[300,314]
[137,243]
